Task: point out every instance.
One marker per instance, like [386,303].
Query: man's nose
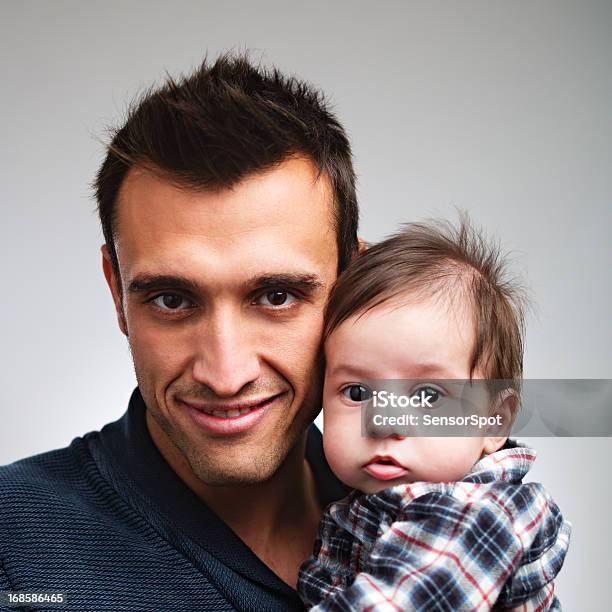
[226,355]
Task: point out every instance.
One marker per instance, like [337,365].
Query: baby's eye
[428,394]
[357,393]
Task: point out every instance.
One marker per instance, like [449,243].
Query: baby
[433,523]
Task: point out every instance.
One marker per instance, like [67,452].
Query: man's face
[222,301]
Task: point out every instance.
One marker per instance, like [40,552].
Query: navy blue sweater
[107,521]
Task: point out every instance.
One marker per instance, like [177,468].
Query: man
[227,202]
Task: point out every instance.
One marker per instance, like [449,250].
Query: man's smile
[229,418]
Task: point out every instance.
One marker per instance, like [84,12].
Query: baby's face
[429,340]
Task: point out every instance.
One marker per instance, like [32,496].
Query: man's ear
[506,406]
[113,285]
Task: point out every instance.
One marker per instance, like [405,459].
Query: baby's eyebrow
[417,371]
[438,370]
[351,371]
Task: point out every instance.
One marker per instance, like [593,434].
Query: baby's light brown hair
[438,259]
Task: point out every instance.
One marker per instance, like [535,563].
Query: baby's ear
[505,406]
[363,245]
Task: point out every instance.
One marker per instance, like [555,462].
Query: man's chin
[246,470]
[246,461]
[215,478]
[236,460]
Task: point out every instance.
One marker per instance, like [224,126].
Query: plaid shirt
[486,541]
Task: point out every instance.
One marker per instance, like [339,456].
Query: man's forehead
[263,222]
[292,190]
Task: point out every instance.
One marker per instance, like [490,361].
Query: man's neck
[277,518]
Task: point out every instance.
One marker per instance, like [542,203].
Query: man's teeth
[228,414]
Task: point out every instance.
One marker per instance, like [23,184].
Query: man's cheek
[302,343]
[298,358]
[306,330]
[160,352]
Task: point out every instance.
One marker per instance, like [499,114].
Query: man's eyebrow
[150,282]
[145,283]
[306,282]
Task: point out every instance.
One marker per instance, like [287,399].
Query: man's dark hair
[222,123]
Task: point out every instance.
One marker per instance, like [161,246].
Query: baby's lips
[385,468]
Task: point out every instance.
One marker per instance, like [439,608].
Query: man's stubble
[208,461]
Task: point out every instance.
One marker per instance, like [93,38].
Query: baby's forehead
[456,307]
[405,337]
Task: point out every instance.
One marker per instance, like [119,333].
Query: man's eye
[276,298]
[171,301]
[357,393]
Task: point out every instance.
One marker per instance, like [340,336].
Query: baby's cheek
[446,459]
[342,450]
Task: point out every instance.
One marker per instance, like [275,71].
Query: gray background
[501,108]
